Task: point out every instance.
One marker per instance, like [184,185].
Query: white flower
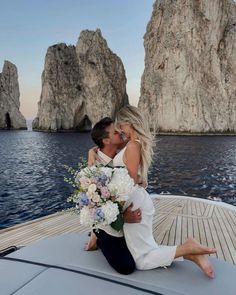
[77,178]
[92,188]
[96,198]
[86,217]
[90,195]
[82,173]
[110,211]
[87,171]
[75,198]
[112,188]
[101,187]
[107,171]
[123,182]
[122,198]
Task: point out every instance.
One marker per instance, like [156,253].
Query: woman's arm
[132,158]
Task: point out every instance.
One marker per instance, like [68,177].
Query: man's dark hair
[99,131]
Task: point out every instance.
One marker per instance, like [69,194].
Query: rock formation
[10,116]
[189,81]
[80,85]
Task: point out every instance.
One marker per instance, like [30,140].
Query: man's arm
[131,216]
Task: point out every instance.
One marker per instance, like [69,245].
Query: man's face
[114,137]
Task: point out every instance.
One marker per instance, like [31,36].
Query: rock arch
[81,119]
[85,125]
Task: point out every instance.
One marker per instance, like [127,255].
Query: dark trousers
[116,252]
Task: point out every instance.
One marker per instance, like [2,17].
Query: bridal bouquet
[99,195]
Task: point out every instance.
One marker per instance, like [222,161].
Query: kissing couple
[127,142]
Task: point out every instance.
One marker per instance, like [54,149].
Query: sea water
[32,172]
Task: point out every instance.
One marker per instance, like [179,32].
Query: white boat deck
[176,218]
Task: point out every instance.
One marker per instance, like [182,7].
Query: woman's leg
[163,256]
[191,246]
[194,251]
[148,254]
[203,262]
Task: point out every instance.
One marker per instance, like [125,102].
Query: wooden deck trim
[176,219]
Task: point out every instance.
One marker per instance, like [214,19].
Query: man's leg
[116,252]
[91,245]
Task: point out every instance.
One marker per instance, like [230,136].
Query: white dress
[139,238]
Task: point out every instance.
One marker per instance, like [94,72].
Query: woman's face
[126,128]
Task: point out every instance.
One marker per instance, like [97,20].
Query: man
[111,242]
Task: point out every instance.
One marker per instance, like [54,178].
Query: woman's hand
[92,156]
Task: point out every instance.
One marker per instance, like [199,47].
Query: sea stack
[80,85]
[10,115]
[189,81]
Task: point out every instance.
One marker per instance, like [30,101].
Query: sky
[29,27]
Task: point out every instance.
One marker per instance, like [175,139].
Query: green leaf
[118,223]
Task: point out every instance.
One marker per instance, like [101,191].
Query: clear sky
[29,27]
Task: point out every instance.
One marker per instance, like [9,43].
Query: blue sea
[32,172]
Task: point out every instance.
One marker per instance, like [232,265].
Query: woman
[136,157]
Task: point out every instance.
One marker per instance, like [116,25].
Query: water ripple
[31,170]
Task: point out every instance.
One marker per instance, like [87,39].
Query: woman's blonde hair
[132,115]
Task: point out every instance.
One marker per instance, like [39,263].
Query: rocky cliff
[80,85]
[10,116]
[189,81]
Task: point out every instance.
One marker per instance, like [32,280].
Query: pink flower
[99,185]
[85,182]
[105,192]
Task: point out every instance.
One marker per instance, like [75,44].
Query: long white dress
[139,238]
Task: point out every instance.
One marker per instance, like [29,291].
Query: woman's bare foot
[194,247]
[203,262]
[91,245]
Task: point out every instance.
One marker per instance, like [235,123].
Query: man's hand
[131,216]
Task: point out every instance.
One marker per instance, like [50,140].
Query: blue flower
[102,179]
[84,199]
[99,214]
